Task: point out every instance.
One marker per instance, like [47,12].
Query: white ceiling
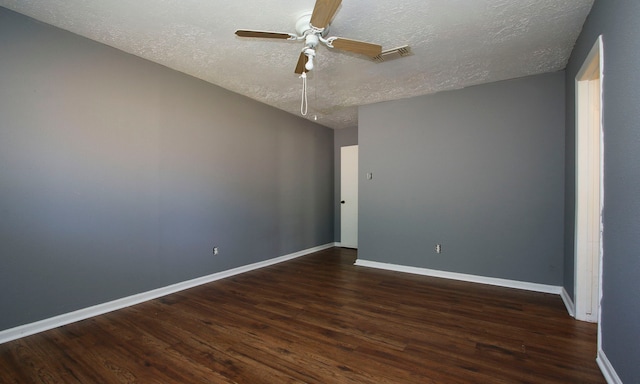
[455,44]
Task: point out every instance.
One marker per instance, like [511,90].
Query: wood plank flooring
[318,319]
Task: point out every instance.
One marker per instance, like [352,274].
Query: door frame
[589,191]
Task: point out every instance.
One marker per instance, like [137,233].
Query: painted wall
[617,22]
[118,176]
[341,138]
[478,170]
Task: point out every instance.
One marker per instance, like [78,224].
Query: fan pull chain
[304,105]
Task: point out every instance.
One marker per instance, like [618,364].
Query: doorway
[349,196]
[589,187]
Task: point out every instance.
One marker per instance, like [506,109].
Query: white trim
[601,261]
[568,303]
[607,369]
[463,277]
[588,260]
[85,313]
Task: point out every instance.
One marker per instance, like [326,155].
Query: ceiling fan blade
[263,34]
[323,12]
[356,46]
[302,61]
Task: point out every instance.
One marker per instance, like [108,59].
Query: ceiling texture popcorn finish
[454,44]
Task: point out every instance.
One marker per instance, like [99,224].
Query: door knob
[342,202]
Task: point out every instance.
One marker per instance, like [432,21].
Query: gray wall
[617,22]
[479,170]
[118,176]
[341,138]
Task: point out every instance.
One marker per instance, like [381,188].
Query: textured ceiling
[455,43]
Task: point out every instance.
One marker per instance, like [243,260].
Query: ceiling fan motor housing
[311,40]
[304,27]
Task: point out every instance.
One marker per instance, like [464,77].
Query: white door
[349,196]
[588,235]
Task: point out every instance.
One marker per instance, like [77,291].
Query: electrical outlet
[438,248]
[215,251]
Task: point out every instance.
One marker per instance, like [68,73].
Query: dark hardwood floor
[318,319]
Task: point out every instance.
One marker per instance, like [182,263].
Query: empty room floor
[318,319]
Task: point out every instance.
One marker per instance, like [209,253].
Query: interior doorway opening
[589,186]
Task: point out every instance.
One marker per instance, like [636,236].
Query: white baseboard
[463,277]
[607,369]
[85,313]
[568,303]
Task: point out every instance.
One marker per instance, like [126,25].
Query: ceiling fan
[313,28]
